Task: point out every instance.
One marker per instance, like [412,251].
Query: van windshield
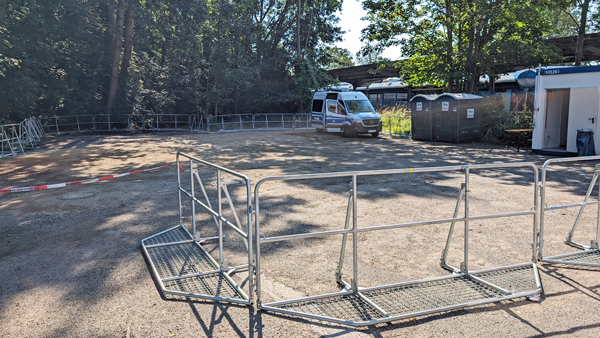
[359,106]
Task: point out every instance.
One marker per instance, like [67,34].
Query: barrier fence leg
[338,272]
[443,263]
[235,215]
[12,150]
[18,137]
[56,122]
[569,238]
[219,197]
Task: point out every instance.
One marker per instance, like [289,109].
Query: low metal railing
[359,306]
[588,255]
[174,122]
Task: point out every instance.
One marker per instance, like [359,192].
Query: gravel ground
[71,263]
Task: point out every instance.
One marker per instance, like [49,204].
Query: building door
[583,114]
[557,113]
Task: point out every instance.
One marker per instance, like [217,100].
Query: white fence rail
[19,137]
[174,122]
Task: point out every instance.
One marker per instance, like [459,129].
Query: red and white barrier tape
[91,180]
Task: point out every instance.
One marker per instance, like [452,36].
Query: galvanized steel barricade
[174,122]
[588,255]
[16,138]
[180,263]
[359,306]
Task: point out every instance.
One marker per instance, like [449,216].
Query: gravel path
[71,263]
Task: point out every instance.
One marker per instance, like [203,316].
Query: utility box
[454,117]
[421,117]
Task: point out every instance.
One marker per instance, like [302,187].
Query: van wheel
[375,134]
[319,130]
[348,132]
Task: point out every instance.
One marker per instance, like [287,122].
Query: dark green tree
[454,42]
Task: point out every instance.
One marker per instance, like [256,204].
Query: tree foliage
[70,57]
[454,42]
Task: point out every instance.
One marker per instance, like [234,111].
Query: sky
[351,23]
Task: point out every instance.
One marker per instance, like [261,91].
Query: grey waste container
[585,142]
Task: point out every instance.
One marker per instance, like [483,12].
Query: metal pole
[267,119]
[542,210]
[179,190]
[338,273]
[241,126]
[108,122]
[253,122]
[257,239]
[465,265]
[56,122]
[456,210]
[598,217]
[192,171]
[535,215]
[250,238]
[580,213]
[354,238]
[220,223]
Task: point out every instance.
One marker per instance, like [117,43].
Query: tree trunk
[449,26]
[124,76]
[3,4]
[298,26]
[116,57]
[581,36]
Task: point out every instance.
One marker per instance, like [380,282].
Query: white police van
[342,111]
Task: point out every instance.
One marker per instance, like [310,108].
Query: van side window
[317,105]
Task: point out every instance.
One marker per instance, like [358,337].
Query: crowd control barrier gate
[177,258]
[588,255]
[359,306]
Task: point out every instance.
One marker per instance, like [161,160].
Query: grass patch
[396,121]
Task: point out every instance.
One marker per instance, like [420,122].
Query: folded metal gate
[588,255]
[180,263]
[358,306]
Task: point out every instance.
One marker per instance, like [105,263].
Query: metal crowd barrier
[588,255]
[16,138]
[180,263]
[359,306]
[174,122]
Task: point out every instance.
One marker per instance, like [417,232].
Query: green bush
[495,121]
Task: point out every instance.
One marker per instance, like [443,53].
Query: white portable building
[566,99]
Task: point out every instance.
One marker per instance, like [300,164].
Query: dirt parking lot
[71,263]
